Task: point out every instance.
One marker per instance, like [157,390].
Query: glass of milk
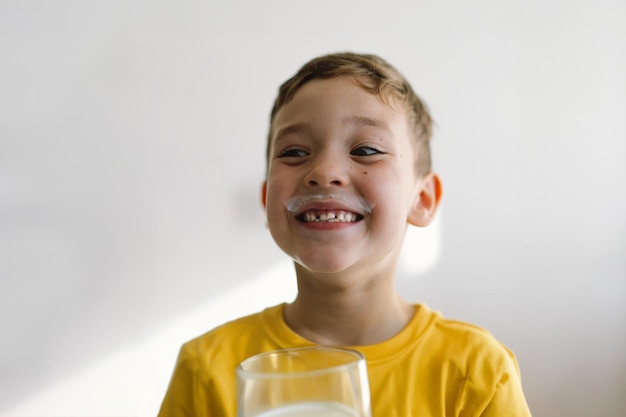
[304,382]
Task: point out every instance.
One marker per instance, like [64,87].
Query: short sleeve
[178,400]
[508,398]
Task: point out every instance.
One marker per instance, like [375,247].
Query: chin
[326,265]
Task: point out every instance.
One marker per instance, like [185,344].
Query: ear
[426,201]
[264,194]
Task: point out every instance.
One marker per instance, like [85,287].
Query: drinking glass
[304,382]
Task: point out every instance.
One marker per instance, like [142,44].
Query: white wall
[131,153]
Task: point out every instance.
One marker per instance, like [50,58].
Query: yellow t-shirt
[433,368]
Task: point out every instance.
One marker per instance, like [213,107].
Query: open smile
[329,208]
[332,216]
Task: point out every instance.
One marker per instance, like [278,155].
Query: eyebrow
[362,121]
[294,128]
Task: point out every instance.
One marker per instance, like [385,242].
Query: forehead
[337,102]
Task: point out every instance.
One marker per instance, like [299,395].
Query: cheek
[275,198]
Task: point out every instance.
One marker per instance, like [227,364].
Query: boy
[348,168]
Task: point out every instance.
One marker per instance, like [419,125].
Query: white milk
[312,409]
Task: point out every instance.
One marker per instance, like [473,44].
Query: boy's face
[335,138]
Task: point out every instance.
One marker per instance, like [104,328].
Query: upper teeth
[329,216]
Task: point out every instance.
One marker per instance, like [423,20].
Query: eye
[365,151]
[292,153]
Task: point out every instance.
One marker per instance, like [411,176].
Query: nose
[328,170]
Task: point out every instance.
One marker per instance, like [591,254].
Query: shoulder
[204,375]
[487,371]
[470,337]
[231,335]
[470,357]
[469,348]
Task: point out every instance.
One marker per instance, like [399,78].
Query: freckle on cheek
[365,172]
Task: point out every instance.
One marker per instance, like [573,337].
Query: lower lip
[326,226]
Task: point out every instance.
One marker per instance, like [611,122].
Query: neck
[355,313]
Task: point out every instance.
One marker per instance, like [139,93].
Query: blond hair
[377,77]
